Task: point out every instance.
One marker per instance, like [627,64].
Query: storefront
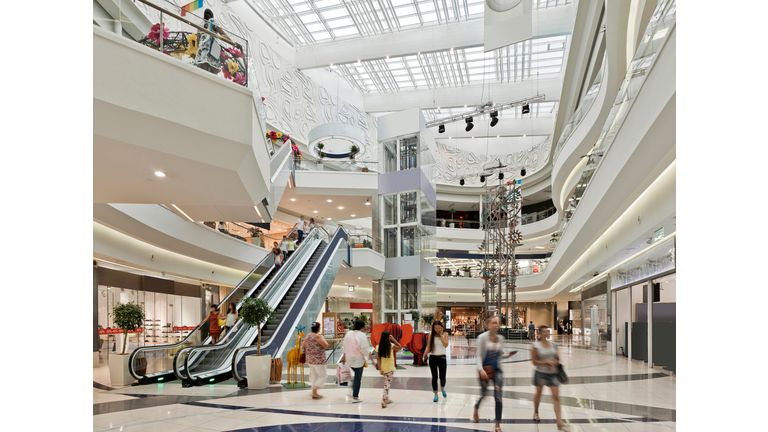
[644,300]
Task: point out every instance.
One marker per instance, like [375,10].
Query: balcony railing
[525,219]
[305,164]
[365,241]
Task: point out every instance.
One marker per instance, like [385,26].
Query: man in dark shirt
[531,330]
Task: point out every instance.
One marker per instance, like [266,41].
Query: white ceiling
[308,204]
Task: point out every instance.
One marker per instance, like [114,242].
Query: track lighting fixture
[526,109]
[522,172]
[441,129]
[482,179]
[470,125]
[501,176]
[461,182]
[494,118]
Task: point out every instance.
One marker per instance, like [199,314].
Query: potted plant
[320,154]
[415,316]
[428,321]
[452,211]
[256,312]
[127,317]
[467,271]
[353,150]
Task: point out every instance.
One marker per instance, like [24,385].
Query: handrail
[277,280]
[185,21]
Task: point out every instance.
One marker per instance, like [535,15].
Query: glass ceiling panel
[368,17]
[460,67]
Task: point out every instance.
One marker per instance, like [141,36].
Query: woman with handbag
[490,349]
[544,356]
[231,317]
[355,344]
[436,345]
[314,347]
[208,55]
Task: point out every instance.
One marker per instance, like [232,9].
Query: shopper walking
[490,348]
[284,247]
[531,331]
[385,354]
[314,347]
[300,225]
[291,247]
[208,55]
[214,329]
[355,345]
[546,359]
[231,317]
[278,258]
[436,345]
[311,224]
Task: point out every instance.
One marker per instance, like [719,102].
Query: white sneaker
[357,400]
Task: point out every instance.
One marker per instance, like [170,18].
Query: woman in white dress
[208,55]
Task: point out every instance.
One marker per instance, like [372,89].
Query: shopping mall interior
[480,194]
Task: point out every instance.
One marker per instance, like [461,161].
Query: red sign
[360,305]
[535,268]
[118,331]
[183,328]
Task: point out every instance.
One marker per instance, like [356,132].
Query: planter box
[118,370]
[258,369]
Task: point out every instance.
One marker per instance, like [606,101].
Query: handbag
[561,376]
[303,358]
[222,322]
[215,50]
[488,371]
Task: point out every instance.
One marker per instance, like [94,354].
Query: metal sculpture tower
[501,216]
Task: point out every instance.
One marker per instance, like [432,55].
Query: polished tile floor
[604,394]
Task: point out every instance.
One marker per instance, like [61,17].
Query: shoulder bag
[561,376]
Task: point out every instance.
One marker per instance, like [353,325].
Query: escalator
[293,293]
[154,364]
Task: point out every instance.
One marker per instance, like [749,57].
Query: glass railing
[197,362]
[525,219]
[187,37]
[580,112]
[343,165]
[367,241]
[662,20]
[151,360]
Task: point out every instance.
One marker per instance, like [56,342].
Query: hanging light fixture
[494,118]
[470,125]
[441,129]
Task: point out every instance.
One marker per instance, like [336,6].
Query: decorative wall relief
[294,103]
[451,161]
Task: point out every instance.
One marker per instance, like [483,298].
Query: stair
[285,304]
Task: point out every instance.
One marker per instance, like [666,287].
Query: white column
[650,323]
[629,327]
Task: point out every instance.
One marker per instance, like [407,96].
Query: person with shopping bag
[355,344]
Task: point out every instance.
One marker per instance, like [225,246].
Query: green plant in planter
[362,318]
[353,150]
[367,244]
[428,318]
[415,315]
[256,312]
[127,317]
[320,148]
[322,155]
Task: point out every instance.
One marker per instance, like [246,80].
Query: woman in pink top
[314,348]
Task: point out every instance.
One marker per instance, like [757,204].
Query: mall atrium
[496,170]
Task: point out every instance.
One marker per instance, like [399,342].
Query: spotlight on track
[501,176]
[461,182]
[482,179]
[441,129]
[469,125]
[526,109]
[494,118]
[522,172]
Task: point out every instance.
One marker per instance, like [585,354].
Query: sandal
[536,417]
[383,405]
[498,429]
[387,401]
[563,427]
[476,417]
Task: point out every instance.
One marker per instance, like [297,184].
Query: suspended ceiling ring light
[337,138]
[487,108]
[502,5]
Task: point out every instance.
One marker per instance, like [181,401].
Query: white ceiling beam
[458,97]
[465,34]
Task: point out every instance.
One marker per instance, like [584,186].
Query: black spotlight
[482,179]
[526,109]
[441,129]
[469,125]
[501,176]
[494,118]
[522,172]
[461,182]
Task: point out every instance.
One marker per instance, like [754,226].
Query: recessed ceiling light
[367,203]
[359,277]
[329,200]
[293,199]
[341,208]
[159,173]
[539,247]
[314,211]
[352,215]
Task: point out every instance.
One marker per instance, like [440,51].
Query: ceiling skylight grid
[456,68]
[307,22]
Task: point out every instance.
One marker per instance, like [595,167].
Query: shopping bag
[343,374]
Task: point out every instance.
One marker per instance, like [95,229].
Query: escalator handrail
[198,327]
[225,344]
[237,352]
